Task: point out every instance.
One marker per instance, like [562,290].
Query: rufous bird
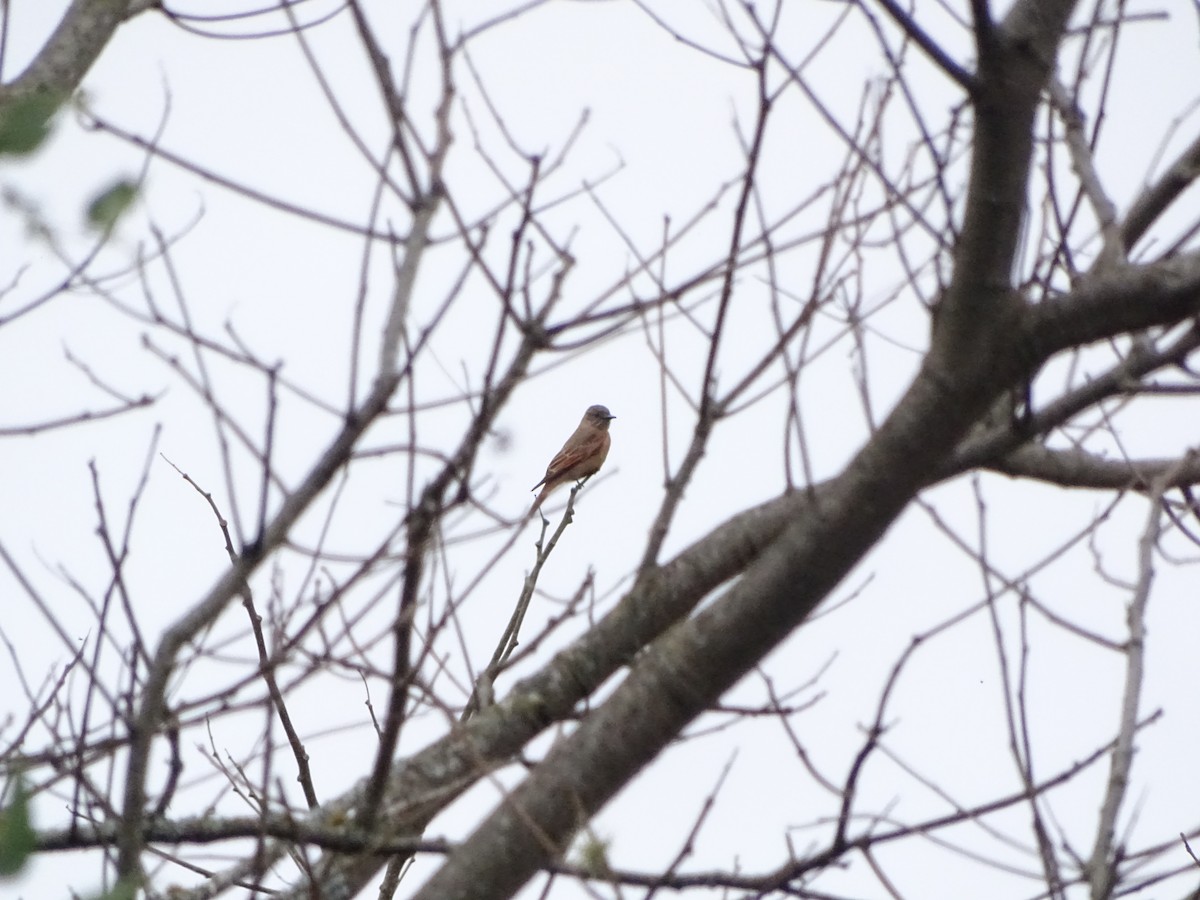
[581,456]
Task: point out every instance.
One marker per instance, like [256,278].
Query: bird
[581,456]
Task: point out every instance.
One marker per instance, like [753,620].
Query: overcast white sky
[660,124]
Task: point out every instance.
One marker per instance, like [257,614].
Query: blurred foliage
[25,123]
[110,204]
[125,889]
[17,839]
[592,855]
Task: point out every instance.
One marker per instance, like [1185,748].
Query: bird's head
[598,415]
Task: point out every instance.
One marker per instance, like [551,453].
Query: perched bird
[582,455]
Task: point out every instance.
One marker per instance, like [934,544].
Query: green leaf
[125,889]
[17,838]
[25,123]
[110,204]
[593,855]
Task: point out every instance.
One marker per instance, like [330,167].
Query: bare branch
[1103,866]
[932,49]
[1151,204]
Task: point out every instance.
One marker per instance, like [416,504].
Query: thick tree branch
[1080,469]
[85,30]
[1151,204]
[991,447]
[1121,300]
[976,311]
[209,829]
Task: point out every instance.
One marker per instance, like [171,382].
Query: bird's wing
[572,454]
